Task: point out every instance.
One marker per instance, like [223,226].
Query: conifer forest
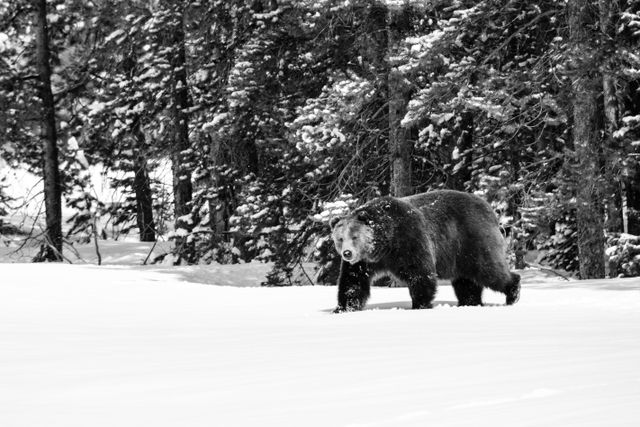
[269,117]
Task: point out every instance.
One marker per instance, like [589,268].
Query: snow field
[82,345]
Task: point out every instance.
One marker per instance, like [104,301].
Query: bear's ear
[334,221]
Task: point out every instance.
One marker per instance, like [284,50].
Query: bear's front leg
[422,285]
[353,286]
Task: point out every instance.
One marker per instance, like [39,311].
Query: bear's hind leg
[422,288]
[512,290]
[509,285]
[353,287]
[467,291]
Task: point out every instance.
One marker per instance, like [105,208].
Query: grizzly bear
[446,234]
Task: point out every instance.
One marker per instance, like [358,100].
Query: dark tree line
[277,114]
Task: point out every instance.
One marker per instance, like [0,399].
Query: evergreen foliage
[278,114]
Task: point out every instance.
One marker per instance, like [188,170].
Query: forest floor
[129,345]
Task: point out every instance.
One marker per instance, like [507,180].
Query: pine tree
[181,150]
[587,128]
[278,115]
[52,250]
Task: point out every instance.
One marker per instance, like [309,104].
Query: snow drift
[203,346]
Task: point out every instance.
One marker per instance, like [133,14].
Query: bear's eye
[362,216]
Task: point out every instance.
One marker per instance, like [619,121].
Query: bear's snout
[347,255]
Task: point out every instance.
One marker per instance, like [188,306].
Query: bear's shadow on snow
[406,305]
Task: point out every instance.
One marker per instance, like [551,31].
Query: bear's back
[466,228]
[441,206]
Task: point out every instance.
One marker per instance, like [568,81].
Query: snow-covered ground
[126,251]
[82,345]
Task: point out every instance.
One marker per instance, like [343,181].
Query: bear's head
[366,233]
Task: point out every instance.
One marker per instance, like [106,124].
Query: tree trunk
[222,205]
[51,173]
[587,127]
[513,210]
[615,200]
[181,157]
[142,189]
[400,146]
[616,205]
[624,207]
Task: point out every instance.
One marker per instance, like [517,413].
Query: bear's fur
[447,234]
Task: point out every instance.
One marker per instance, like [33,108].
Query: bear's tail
[512,290]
